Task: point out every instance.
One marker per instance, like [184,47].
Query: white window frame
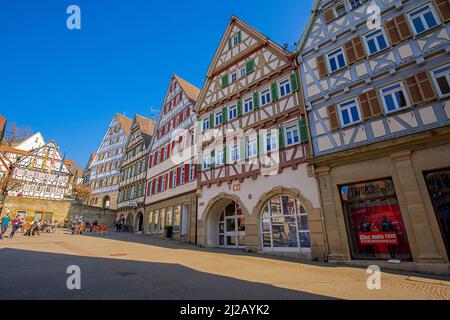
[433,12]
[372,35]
[447,77]
[267,97]
[339,109]
[182,175]
[174,178]
[234,77]
[402,88]
[235,41]
[287,129]
[251,147]
[285,84]
[218,116]
[232,110]
[247,102]
[334,52]
[206,160]
[219,157]
[205,124]
[273,136]
[235,153]
[242,72]
[350,7]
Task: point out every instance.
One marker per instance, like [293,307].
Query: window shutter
[281,137]
[148,188]
[333,118]
[256,99]
[274,91]
[350,52]
[329,15]
[304,136]
[359,48]
[186,173]
[199,167]
[171,179]
[224,81]
[213,158]
[229,43]
[239,108]
[242,150]
[239,34]
[224,114]
[374,101]
[250,67]
[225,158]
[188,112]
[211,120]
[294,82]
[159,183]
[260,142]
[322,67]
[150,161]
[195,171]
[403,27]
[392,32]
[365,105]
[154,186]
[443,7]
[420,87]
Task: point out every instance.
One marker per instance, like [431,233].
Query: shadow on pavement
[173,244]
[39,275]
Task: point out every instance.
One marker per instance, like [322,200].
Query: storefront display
[439,187]
[374,222]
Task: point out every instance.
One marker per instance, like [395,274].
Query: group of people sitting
[28,228]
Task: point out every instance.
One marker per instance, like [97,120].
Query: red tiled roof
[125,122]
[147,125]
[191,91]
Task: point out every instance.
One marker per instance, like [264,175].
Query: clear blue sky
[68,84]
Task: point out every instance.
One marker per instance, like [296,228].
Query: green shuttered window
[304,136]
[224,114]
[225,80]
[274,91]
[256,99]
[239,108]
[281,137]
[294,82]
[250,67]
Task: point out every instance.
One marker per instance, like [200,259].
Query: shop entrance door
[439,187]
[231,227]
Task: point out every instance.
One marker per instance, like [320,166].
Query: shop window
[284,225]
[374,221]
[439,187]
[441,78]
[176,219]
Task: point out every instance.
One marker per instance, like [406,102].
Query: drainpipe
[196,219]
[322,219]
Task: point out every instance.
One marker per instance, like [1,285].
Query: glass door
[231,227]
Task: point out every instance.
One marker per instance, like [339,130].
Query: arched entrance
[129,223]
[106,203]
[226,225]
[284,225]
[139,221]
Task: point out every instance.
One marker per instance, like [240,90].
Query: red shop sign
[377,238]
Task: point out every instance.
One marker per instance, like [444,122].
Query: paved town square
[128,266]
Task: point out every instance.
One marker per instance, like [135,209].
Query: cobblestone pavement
[128,266]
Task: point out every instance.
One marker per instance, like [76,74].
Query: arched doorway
[226,225]
[284,225]
[139,221]
[106,203]
[129,223]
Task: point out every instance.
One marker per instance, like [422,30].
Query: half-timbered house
[105,168]
[133,173]
[376,81]
[255,190]
[171,176]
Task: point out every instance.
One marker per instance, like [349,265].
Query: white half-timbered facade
[255,190]
[105,168]
[376,81]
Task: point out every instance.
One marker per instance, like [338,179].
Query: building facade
[105,168]
[255,189]
[379,115]
[133,172]
[42,174]
[172,177]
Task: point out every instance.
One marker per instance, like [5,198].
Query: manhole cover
[117,254]
[126,273]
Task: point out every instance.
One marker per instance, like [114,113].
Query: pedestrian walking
[16,223]
[4,225]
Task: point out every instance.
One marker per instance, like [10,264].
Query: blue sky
[68,84]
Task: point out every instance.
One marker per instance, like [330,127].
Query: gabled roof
[25,144]
[147,128]
[305,33]
[125,123]
[191,91]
